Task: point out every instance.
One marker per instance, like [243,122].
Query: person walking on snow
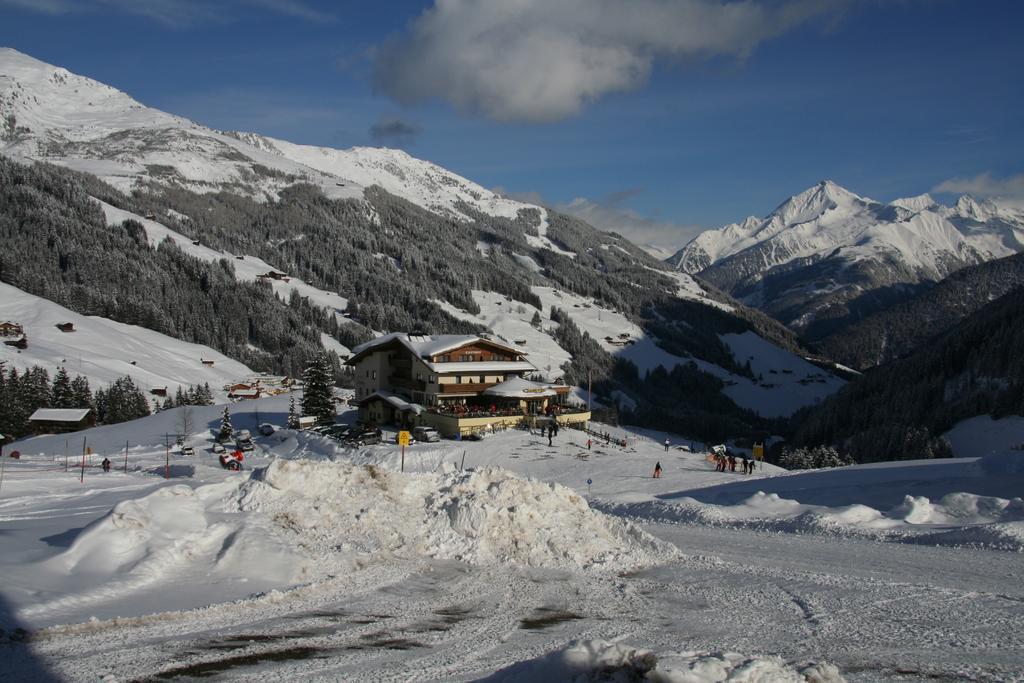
[106,464]
[666,445]
[588,444]
[550,434]
[657,471]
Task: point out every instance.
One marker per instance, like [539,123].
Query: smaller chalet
[9,329]
[206,362]
[244,394]
[65,327]
[275,275]
[159,391]
[61,420]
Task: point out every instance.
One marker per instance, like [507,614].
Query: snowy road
[880,611]
[197,567]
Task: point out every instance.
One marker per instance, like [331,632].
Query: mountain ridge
[821,249]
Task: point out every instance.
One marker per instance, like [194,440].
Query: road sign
[759,451]
[589,482]
[404,438]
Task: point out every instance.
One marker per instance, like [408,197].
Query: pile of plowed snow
[479,516]
[955,519]
[598,660]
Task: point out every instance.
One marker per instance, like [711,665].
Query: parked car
[340,432]
[266,429]
[218,447]
[188,451]
[426,434]
[364,437]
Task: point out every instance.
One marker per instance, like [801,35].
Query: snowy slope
[787,382]
[248,268]
[75,121]
[103,350]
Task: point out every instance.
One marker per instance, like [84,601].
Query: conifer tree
[293,415]
[61,396]
[81,395]
[318,391]
[226,430]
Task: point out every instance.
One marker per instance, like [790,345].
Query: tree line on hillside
[898,330]
[900,410]
[55,243]
[22,393]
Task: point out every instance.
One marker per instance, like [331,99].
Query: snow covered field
[103,351]
[494,560]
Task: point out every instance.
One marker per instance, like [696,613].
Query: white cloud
[664,236]
[984,185]
[544,60]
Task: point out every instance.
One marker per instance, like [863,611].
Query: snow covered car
[266,429]
[231,461]
[218,447]
[188,451]
[426,434]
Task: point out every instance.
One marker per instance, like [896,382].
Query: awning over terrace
[519,388]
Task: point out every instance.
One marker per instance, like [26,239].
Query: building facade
[456,383]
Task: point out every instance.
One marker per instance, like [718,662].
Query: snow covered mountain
[48,113]
[457,256]
[821,250]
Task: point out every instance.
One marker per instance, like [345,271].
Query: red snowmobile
[231,461]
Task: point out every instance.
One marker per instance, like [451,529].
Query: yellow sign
[404,438]
[759,451]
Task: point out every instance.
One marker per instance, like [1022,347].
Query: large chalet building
[458,384]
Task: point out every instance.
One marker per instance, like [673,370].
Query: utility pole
[126,457]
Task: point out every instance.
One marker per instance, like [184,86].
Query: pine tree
[226,430]
[61,396]
[81,395]
[293,416]
[318,391]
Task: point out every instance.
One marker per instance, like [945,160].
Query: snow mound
[588,661]
[161,537]
[955,519]
[482,516]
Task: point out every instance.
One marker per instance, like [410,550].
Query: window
[431,378]
[374,375]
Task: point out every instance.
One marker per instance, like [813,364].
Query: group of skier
[726,462]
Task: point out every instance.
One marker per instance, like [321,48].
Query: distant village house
[65,327]
[9,329]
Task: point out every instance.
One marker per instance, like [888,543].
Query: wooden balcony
[407,383]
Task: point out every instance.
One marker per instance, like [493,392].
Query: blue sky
[655,116]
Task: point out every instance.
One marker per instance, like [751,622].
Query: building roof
[518,387]
[429,345]
[396,401]
[482,366]
[60,414]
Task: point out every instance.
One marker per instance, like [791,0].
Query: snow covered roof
[396,401]
[60,414]
[429,345]
[482,366]
[519,388]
